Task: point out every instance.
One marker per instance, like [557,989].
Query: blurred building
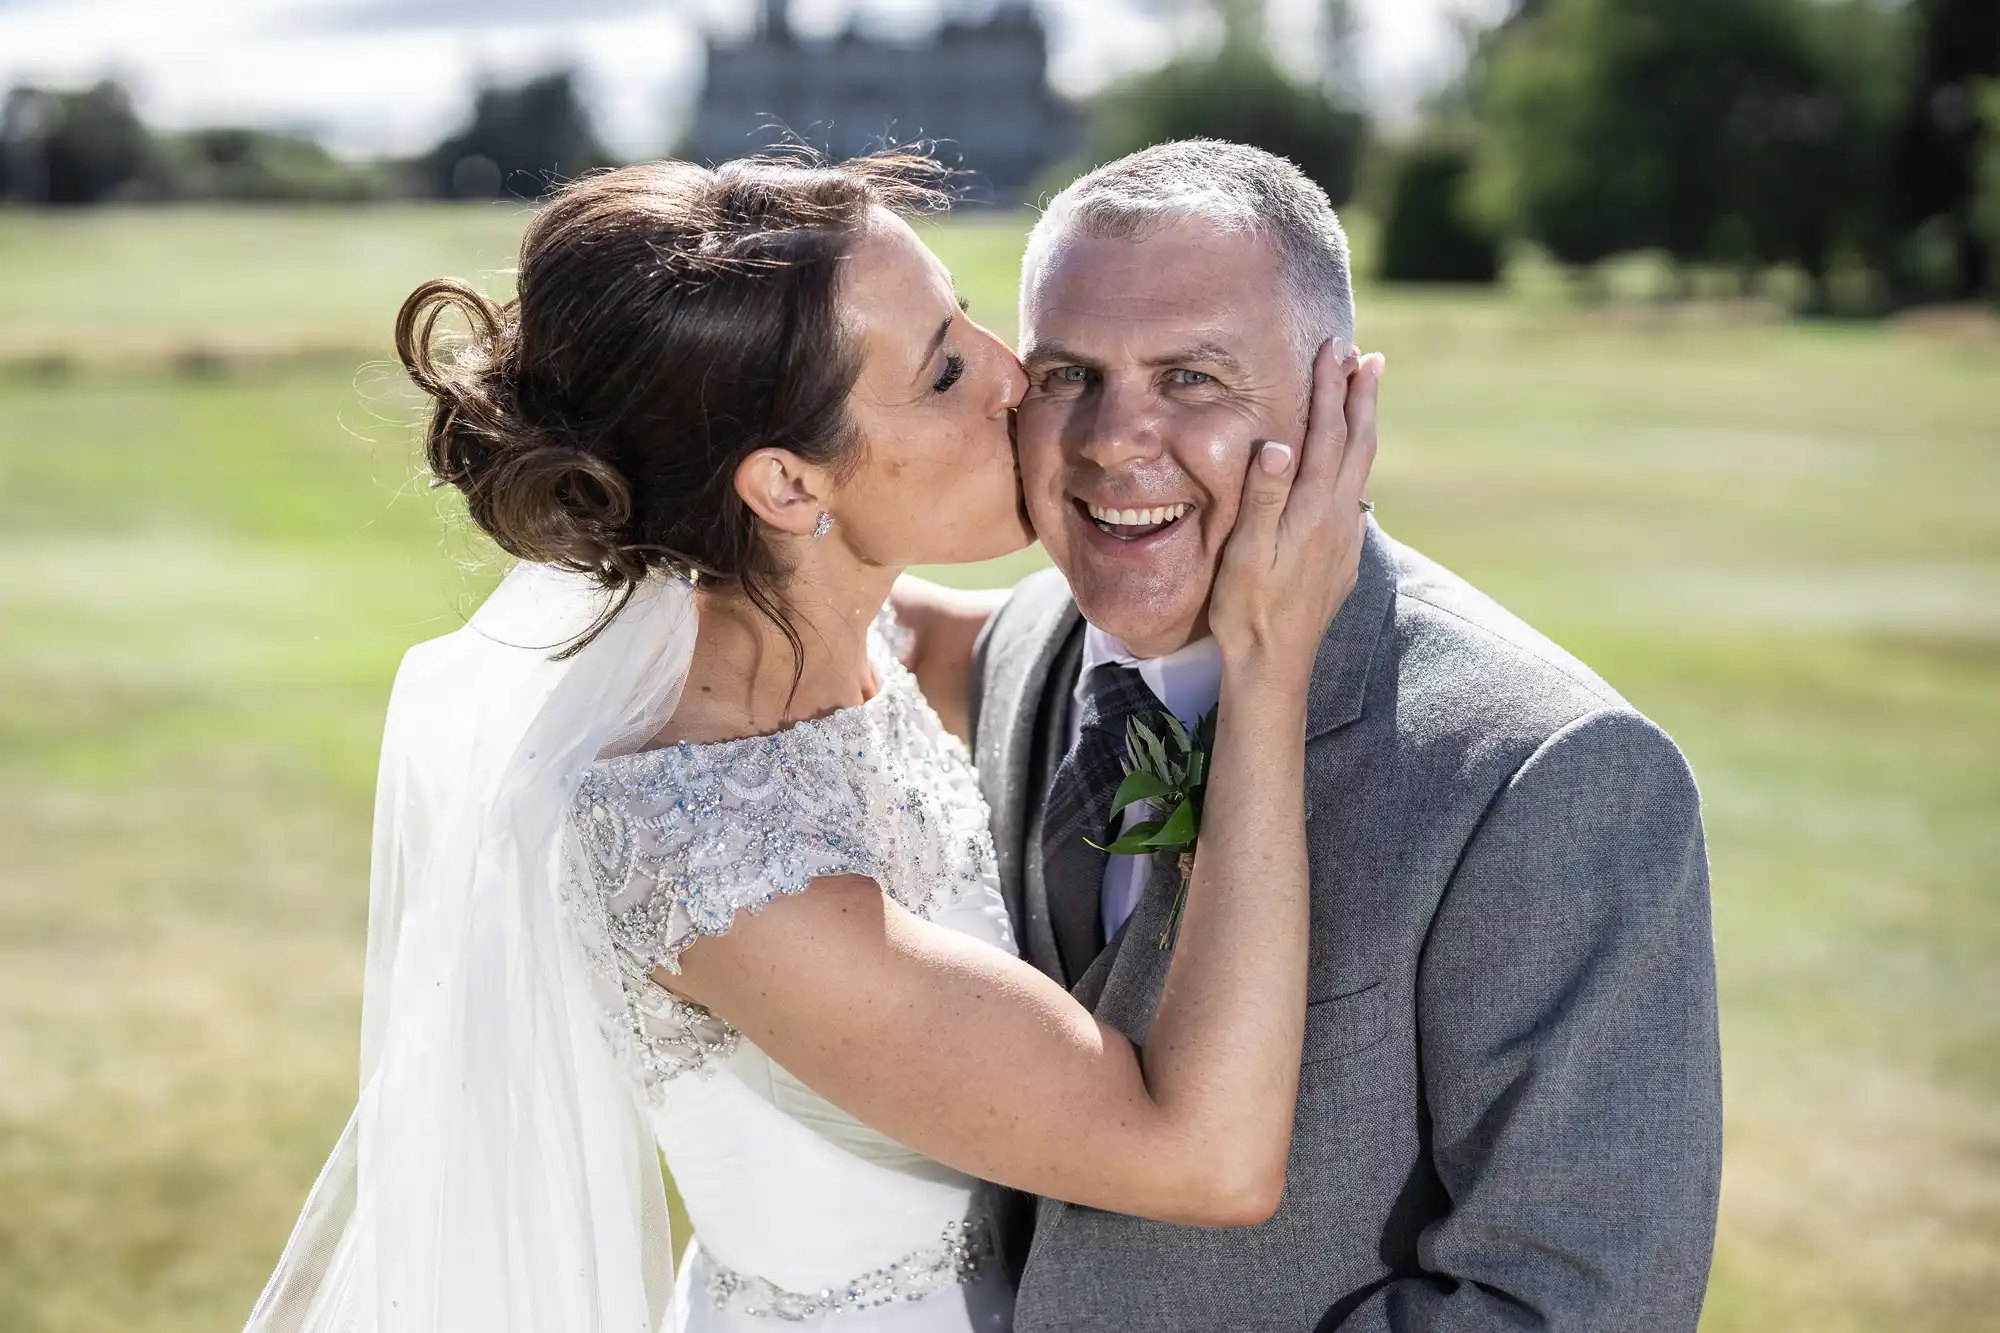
[979,88]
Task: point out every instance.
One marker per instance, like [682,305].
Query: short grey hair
[1229,186]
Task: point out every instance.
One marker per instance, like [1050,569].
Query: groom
[1509,1113]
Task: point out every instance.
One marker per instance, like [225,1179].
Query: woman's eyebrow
[937,341]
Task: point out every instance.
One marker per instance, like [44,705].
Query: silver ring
[1367,506]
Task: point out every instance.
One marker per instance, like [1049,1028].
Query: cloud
[461,15]
[391,75]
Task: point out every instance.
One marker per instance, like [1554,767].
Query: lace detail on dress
[963,1252]
[675,842]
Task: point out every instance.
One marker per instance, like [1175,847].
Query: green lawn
[1783,542]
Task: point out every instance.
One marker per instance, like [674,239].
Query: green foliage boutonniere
[1167,765]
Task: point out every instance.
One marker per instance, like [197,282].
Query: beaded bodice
[675,842]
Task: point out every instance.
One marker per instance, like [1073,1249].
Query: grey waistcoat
[1510,1110]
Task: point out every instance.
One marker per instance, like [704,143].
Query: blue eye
[1192,379]
[1072,375]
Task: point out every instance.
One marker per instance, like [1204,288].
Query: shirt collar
[1188,681]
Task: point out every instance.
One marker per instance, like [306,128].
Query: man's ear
[782,489]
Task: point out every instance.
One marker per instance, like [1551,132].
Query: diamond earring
[824,526]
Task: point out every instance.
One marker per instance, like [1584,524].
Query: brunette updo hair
[669,320]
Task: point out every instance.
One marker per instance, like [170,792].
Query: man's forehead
[1185,284]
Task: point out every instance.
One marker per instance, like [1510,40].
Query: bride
[673,856]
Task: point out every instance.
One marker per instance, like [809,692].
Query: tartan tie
[1079,806]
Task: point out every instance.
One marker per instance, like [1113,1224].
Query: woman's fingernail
[1274,458]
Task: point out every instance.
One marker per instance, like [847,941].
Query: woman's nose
[1014,381]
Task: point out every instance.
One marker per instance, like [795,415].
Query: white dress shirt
[1189,683]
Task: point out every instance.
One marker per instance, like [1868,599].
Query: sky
[391,76]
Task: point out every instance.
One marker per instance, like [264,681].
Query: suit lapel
[1340,671]
[1028,694]
[1123,986]
[1028,691]
[1044,952]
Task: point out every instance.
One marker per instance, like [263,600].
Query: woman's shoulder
[678,840]
[682,838]
[673,844]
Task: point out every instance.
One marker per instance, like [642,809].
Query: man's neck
[1188,680]
[1102,645]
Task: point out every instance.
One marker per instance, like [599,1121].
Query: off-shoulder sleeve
[675,843]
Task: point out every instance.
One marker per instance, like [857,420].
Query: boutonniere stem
[1167,766]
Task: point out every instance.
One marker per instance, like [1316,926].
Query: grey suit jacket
[1510,1108]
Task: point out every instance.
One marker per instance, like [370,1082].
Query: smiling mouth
[1133,524]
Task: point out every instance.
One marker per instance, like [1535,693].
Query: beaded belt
[964,1252]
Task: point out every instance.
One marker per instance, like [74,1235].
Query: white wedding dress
[521,1071]
[801,1213]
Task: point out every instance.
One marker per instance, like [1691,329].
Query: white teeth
[1132,518]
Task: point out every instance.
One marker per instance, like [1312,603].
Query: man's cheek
[1212,444]
[1037,432]
[1218,522]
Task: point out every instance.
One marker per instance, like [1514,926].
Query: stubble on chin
[1135,606]
[1149,619]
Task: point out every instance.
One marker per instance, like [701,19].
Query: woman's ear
[782,489]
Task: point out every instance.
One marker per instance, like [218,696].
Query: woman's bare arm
[944,624]
[969,1055]
[975,1058]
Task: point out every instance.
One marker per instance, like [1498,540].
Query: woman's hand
[1296,548]
[977,1059]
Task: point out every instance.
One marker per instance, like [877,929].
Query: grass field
[1781,541]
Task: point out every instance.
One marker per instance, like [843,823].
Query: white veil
[498,1174]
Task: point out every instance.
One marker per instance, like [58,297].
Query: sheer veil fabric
[498,1173]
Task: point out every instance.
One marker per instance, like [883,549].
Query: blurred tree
[1807,140]
[23,169]
[1236,94]
[82,147]
[258,165]
[1340,53]
[524,139]
[1557,164]
[1692,126]
[1242,22]
[1958,44]
[1986,180]
[1430,232]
